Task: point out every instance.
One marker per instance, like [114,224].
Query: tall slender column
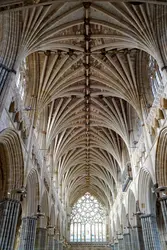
[127,242]
[28,233]
[112,246]
[163,202]
[9,212]
[116,246]
[140,237]
[150,232]
[41,239]
[120,243]
[10,27]
[50,242]
[56,245]
[60,246]
[134,238]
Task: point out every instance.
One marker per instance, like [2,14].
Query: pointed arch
[161,159]
[147,199]
[11,163]
[52,216]
[45,209]
[131,208]
[33,195]
[123,217]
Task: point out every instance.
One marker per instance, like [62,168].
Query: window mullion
[88,209]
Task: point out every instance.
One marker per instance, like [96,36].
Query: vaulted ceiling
[86,63]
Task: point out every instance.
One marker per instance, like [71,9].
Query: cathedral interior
[83,124]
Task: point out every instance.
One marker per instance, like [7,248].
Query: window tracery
[21,79]
[155,76]
[88,220]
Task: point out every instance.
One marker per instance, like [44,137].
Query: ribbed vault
[85,64]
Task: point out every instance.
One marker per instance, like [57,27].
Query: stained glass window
[88,220]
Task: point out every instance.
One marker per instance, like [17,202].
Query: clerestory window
[155,76]
[88,220]
[21,79]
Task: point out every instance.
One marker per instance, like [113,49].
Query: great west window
[88,220]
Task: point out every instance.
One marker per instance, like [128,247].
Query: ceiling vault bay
[85,65]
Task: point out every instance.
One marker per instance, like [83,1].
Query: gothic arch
[123,217]
[32,192]
[52,216]
[58,225]
[119,229]
[11,163]
[114,230]
[131,208]
[45,209]
[161,159]
[161,178]
[112,226]
[147,199]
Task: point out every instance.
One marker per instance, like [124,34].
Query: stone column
[116,246]
[51,241]
[28,233]
[112,246]
[134,238]
[163,202]
[56,245]
[150,232]
[120,243]
[41,239]
[10,27]
[60,246]
[9,213]
[140,237]
[127,242]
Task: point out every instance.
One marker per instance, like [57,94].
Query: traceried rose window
[88,220]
